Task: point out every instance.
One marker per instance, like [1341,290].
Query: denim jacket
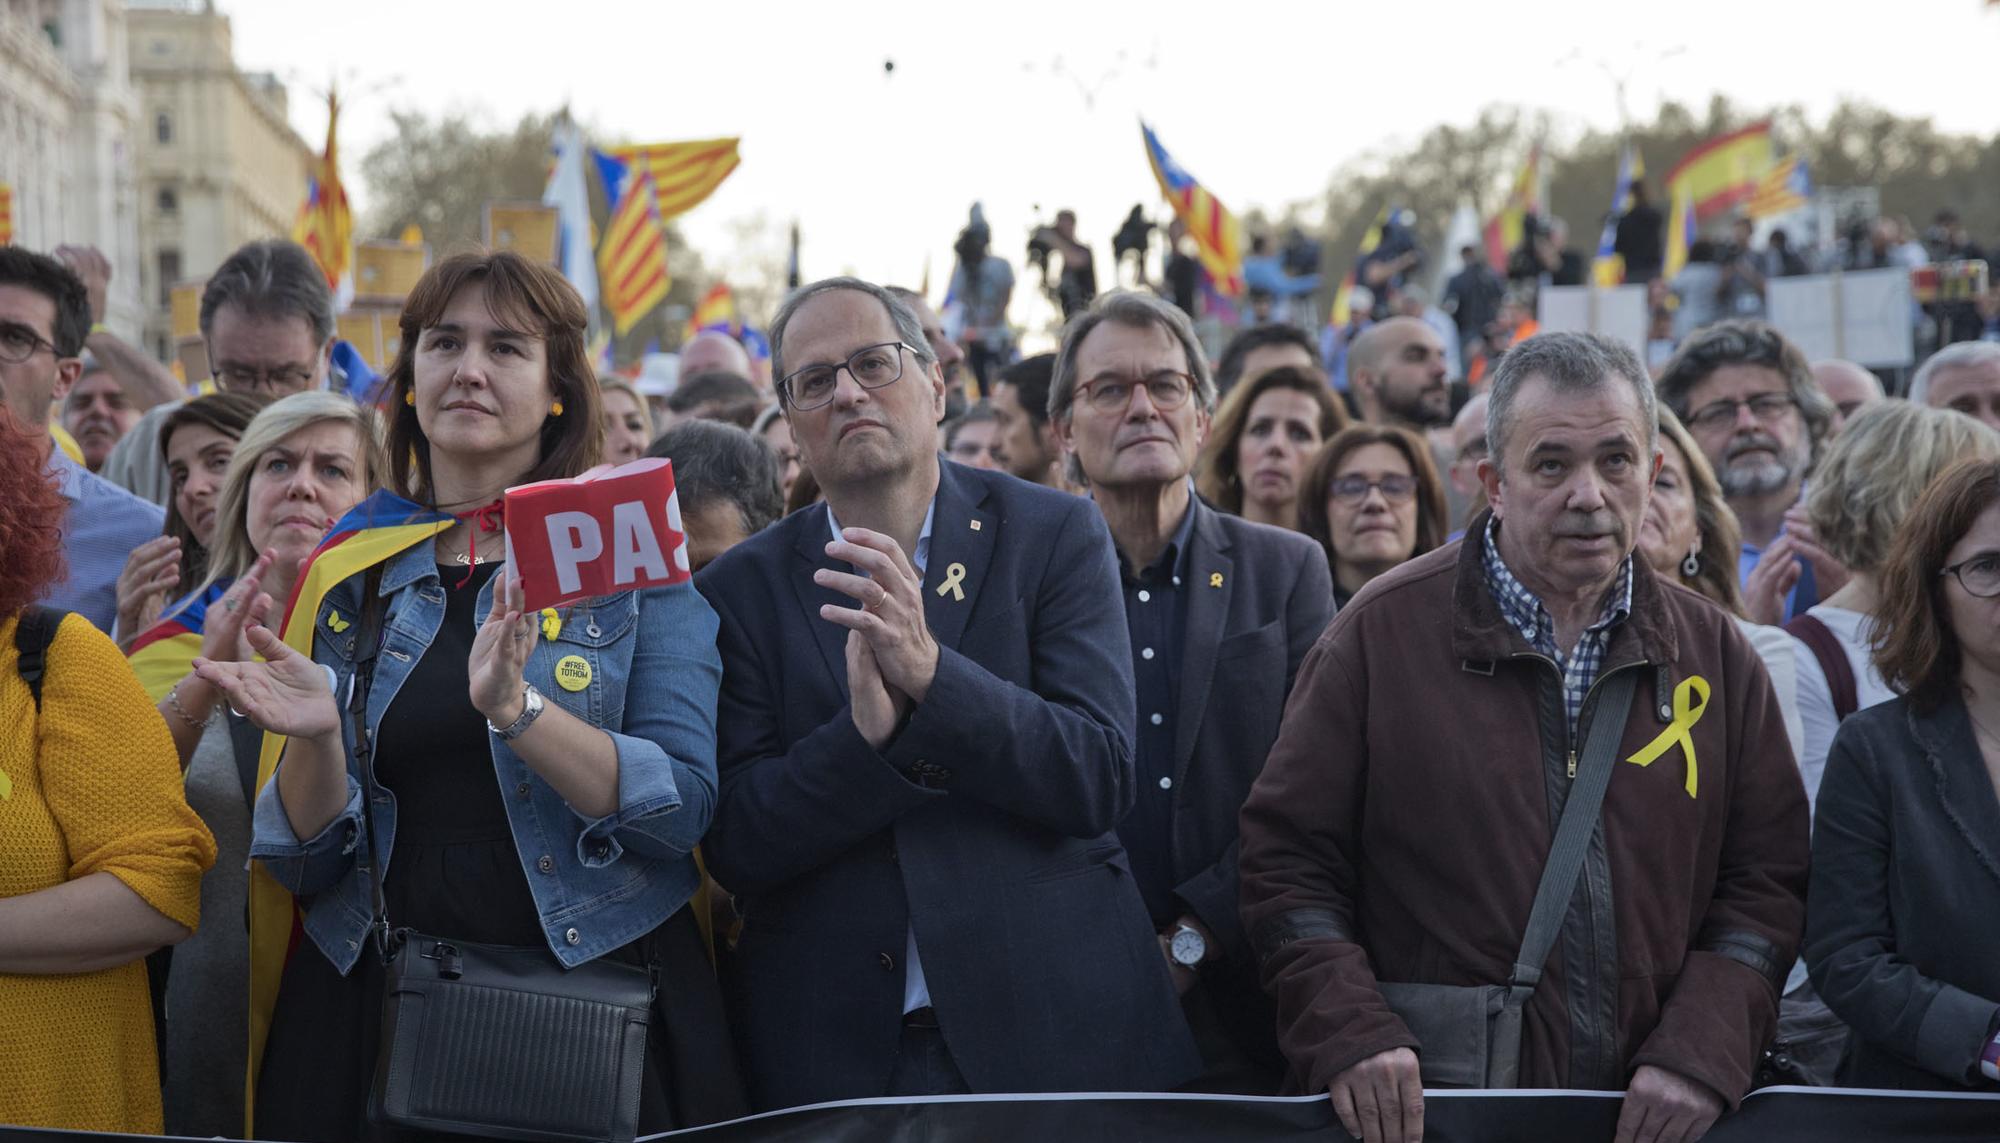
[597,883]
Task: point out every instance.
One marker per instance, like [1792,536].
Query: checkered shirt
[1580,666]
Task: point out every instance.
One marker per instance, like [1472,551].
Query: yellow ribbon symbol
[6,786]
[551,623]
[1690,699]
[1215,579]
[953,576]
[334,621]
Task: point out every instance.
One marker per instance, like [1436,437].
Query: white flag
[569,193]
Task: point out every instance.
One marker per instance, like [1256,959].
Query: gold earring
[410,397]
[555,410]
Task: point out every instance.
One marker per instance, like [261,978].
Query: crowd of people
[1097,720]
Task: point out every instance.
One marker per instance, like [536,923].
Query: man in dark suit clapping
[925,749]
[1221,611]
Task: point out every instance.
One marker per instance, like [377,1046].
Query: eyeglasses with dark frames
[1766,407]
[871,366]
[1395,488]
[1978,575]
[1167,389]
[18,343]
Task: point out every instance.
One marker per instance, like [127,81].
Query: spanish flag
[374,531]
[164,654]
[1722,173]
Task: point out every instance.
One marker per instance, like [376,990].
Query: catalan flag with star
[1216,233]
[632,255]
[683,173]
[373,532]
[164,653]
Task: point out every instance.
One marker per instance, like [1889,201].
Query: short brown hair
[540,300]
[1215,471]
[1313,519]
[1914,646]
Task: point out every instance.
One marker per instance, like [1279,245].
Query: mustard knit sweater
[92,786]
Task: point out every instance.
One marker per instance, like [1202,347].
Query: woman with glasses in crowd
[539,781]
[628,425]
[1373,500]
[1900,928]
[197,441]
[301,464]
[100,857]
[1265,436]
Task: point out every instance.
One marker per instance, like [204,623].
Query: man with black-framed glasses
[1220,612]
[1748,397]
[924,742]
[44,318]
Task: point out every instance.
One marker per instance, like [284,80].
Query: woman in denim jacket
[545,777]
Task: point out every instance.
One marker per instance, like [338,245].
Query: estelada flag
[609,530]
[373,531]
[1217,235]
[164,653]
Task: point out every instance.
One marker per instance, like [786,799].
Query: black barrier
[1773,1115]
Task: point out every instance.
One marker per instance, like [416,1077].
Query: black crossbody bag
[494,1040]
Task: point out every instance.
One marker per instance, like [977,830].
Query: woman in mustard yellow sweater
[100,857]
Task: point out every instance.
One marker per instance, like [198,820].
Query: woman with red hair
[100,857]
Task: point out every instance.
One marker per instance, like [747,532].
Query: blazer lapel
[814,535]
[1209,585]
[962,537]
[1964,791]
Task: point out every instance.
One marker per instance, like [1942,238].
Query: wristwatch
[1188,946]
[531,709]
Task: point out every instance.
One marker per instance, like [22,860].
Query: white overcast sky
[1261,101]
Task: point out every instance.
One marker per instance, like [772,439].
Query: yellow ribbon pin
[1215,579]
[953,576]
[1690,699]
[551,623]
[336,623]
[6,786]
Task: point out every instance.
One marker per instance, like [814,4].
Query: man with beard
[1416,923]
[1027,446]
[1396,371]
[1747,396]
[97,413]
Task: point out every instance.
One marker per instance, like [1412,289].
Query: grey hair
[1746,342]
[1961,355]
[1127,307]
[1570,363]
[908,328]
[272,278]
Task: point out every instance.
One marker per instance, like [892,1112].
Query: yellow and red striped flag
[683,173]
[1722,173]
[715,311]
[6,214]
[632,257]
[1505,231]
[1216,233]
[325,225]
[1786,187]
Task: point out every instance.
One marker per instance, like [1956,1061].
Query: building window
[167,201]
[163,128]
[170,272]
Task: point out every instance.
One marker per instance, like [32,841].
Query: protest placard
[611,529]
[1618,313]
[1864,316]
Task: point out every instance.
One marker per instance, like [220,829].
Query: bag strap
[367,645]
[1572,841]
[33,634]
[1825,646]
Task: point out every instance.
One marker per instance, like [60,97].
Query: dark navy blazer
[988,823]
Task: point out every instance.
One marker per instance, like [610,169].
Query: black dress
[455,871]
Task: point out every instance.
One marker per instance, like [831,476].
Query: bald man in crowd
[1850,387]
[1396,371]
[712,351]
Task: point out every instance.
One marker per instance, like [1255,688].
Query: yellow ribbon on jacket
[1690,700]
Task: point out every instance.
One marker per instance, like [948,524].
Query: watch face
[1189,948]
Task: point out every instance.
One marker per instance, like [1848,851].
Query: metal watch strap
[532,704]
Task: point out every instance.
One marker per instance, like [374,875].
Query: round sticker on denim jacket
[572,672]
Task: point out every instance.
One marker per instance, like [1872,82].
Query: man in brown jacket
[1405,815]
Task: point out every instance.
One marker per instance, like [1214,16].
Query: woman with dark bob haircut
[543,778]
[1901,923]
[1372,499]
[100,857]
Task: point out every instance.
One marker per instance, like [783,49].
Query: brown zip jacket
[1403,818]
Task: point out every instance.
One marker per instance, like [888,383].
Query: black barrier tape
[1773,1115]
